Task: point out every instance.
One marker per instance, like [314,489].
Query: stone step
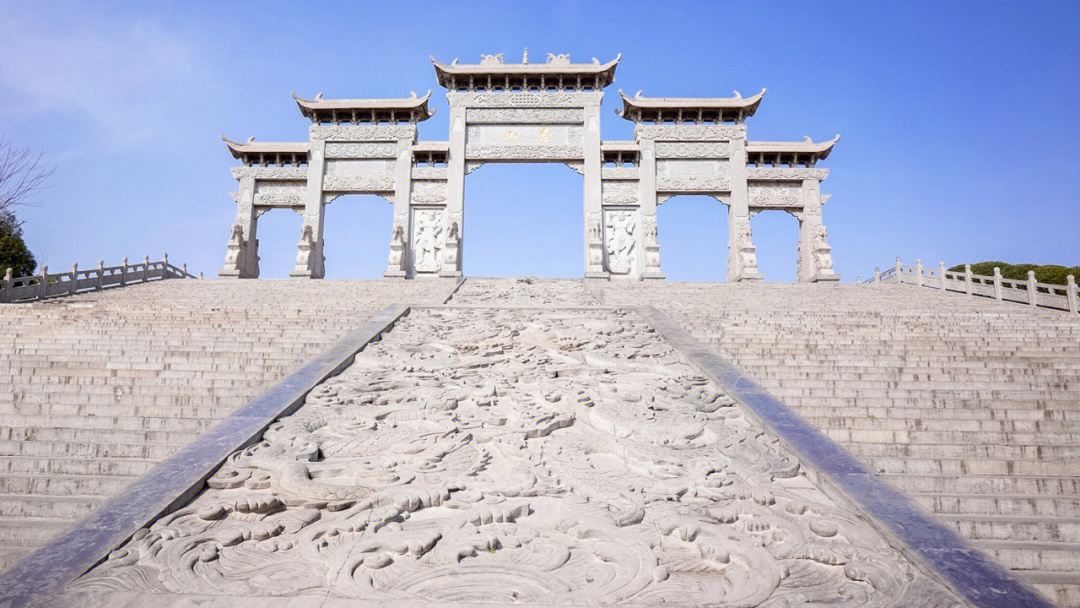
[1031,505]
[61,485]
[987,484]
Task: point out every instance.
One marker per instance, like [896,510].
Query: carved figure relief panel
[451,463]
[775,195]
[428,225]
[620,240]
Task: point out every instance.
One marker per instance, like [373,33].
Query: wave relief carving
[511,456]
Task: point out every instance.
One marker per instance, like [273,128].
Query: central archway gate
[528,112]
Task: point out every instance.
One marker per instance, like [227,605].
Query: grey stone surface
[34,580]
[537,454]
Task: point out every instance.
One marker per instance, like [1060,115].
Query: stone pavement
[103,386]
[534,453]
[969,406]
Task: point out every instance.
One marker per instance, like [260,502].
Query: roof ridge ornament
[491,59]
[525,57]
[562,59]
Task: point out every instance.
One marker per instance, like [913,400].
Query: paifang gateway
[531,112]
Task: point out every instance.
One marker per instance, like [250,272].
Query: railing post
[100,274]
[184,268]
[146,268]
[9,284]
[899,276]
[74,278]
[165,266]
[200,274]
[997,283]
[877,274]
[918,272]
[123,272]
[43,289]
[1070,292]
[941,271]
[967,279]
[1031,287]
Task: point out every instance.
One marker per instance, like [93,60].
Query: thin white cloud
[127,74]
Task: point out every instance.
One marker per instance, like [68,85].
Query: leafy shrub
[1050,273]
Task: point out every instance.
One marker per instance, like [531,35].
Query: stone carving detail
[305,253]
[474,456]
[472,165]
[562,59]
[577,165]
[607,173]
[427,239]
[692,183]
[354,166]
[452,247]
[786,173]
[821,252]
[364,150]
[395,266]
[620,192]
[428,192]
[690,132]
[775,195]
[524,152]
[359,133]
[594,240]
[512,99]
[358,183]
[280,187]
[620,233]
[525,116]
[279,200]
[709,150]
[429,173]
[651,246]
[491,59]
[235,254]
[742,243]
[271,173]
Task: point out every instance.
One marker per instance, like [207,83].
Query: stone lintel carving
[619,173]
[689,132]
[427,239]
[360,133]
[524,99]
[524,152]
[620,240]
[692,149]
[525,116]
[279,200]
[428,192]
[786,173]
[362,150]
[620,193]
[692,183]
[775,195]
[280,187]
[429,173]
[271,173]
[358,183]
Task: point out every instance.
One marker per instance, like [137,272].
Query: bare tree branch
[22,174]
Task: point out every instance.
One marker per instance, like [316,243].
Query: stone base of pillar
[228,274]
[391,274]
[824,278]
[653,274]
[596,274]
[749,276]
[450,274]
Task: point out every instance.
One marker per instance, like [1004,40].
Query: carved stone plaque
[427,238]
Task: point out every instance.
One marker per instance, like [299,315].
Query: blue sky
[958,122]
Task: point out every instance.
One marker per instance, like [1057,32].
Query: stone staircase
[970,406]
[97,388]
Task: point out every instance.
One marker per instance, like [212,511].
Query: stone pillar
[399,236]
[648,244]
[815,254]
[455,191]
[593,200]
[242,256]
[314,211]
[742,259]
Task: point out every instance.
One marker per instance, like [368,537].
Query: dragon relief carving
[451,463]
[620,232]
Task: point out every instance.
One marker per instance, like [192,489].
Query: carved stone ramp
[556,454]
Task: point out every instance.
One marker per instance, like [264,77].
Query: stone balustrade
[47,285]
[1030,291]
